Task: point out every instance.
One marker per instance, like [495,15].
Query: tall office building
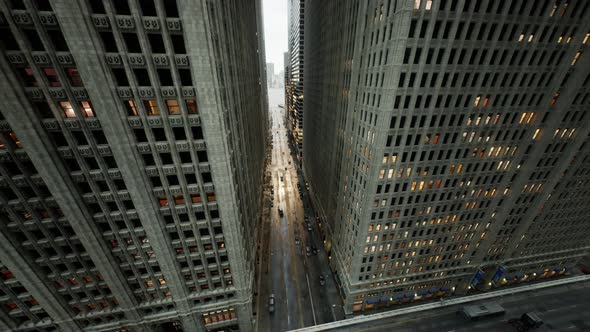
[132,146]
[294,82]
[446,143]
[270,72]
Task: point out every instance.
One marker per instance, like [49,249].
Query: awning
[445,289]
[409,294]
[423,292]
[432,290]
[398,297]
[372,300]
[384,298]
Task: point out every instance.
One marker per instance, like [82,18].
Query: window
[191,105]
[58,40]
[171,8]
[173,107]
[120,77]
[68,109]
[28,77]
[156,42]
[178,44]
[131,108]
[87,108]
[151,106]
[74,77]
[185,77]
[165,77]
[51,75]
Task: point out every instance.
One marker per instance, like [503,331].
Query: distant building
[270,73]
[447,143]
[294,83]
[132,148]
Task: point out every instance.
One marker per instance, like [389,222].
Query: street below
[292,254]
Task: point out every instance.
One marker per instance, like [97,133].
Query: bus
[482,310]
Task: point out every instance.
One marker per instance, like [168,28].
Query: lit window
[51,75]
[417,4]
[476,102]
[74,77]
[537,132]
[521,37]
[586,38]
[576,58]
[428,4]
[87,108]
[163,201]
[162,281]
[179,199]
[151,106]
[131,108]
[68,109]
[173,107]
[149,283]
[211,197]
[195,198]
[191,105]
[531,38]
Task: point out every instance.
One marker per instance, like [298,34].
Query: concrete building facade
[446,143]
[132,146]
[294,81]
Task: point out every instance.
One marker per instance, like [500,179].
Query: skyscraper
[132,146]
[294,83]
[270,72]
[446,143]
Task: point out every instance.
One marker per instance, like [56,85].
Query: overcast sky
[275,31]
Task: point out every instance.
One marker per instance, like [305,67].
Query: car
[322,280]
[271,303]
[281,212]
[281,178]
[306,218]
[272,204]
[297,241]
[309,227]
[307,251]
[314,249]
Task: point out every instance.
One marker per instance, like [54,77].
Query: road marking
[311,299]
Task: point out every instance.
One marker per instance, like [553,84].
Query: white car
[271,303]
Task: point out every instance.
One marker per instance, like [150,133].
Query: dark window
[120,76]
[148,159]
[171,8]
[72,165]
[156,43]
[206,177]
[80,138]
[122,7]
[140,135]
[43,109]
[91,162]
[51,76]
[190,178]
[177,44]
[131,42]
[17,4]
[159,134]
[34,40]
[74,76]
[108,41]
[28,77]
[166,158]
[8,40]
[148,8]
[172,180]
[143,79]
[58,40]
[99,137]
[97,7]
[165,77]
[58,138]
[202,155]
[197,132]
[43,5]
[185,77]
[185,157]
[179,133]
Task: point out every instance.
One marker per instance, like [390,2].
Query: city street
[286,269]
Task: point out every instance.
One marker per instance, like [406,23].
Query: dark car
[322,280]
[314,249]
[280,212]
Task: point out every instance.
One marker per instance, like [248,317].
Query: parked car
[281,214]
[307,251]
[309,227]
[297,241]
[314,249]
[322,280]
[271,303]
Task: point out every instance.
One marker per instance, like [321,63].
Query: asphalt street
[562,308]
[286,270]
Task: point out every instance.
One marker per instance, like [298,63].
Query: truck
[481,310]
